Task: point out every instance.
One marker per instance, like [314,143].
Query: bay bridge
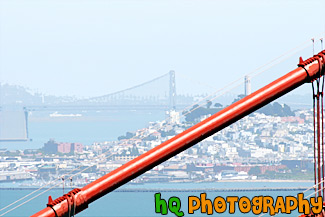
[133,98]
[156,94]
[150,95]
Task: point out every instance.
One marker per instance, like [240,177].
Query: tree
[218,105]
[209,103]
[254,171]
[128,135]
[196,112]
[239,97]
[167,133]
[287,110]
[134,151]
[277,108]
[195,106]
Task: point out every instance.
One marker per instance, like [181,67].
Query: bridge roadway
[99,107]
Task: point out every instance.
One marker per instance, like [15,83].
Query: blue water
[93,126]
[105,126]
[136,204]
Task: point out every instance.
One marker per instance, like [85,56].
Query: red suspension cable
[322,144]
[321,96]
[307,71]
[314,124]
[318,121]
[318,146]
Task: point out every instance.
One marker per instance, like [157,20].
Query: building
[52,147]
[247,85]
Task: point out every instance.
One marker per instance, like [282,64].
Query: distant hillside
[13,94]
[273,109]
[276,109]
[18,95]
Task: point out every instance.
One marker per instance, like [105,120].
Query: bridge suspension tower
[172,90]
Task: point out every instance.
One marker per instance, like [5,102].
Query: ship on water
[58,115]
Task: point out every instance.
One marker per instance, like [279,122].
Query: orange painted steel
[318,133]
[79,199]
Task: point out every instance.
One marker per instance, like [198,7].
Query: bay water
[129,200]
[84,127]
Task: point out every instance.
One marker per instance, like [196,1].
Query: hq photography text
[256,205]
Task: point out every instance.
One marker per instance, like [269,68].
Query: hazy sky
[93,47]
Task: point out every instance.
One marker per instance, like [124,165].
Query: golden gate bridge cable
[41,193]
[201,100]
[130,88]
[193,109]
[162,76]
[51,182]
[166,150]
[305,197]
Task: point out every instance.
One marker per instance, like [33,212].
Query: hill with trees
[272,109]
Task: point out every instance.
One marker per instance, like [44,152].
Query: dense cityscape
[257,147]
[162,108]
